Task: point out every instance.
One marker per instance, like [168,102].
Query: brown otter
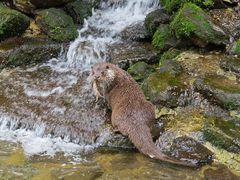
[132,115]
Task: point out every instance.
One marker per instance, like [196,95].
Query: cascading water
[43,103]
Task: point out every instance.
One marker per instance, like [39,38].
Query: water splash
[54,99]
[101,30]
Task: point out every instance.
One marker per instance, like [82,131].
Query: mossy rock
[57,24]
[12,23]
[163,88]
[163,38]
[169,55]
[140,70]
[154,19]
[235,49]
[79,10]
[220,90]
[172,67]
[193,23]
[173,5]
[223,134]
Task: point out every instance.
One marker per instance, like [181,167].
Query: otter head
[102,72]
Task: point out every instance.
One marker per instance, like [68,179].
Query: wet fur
[132,114]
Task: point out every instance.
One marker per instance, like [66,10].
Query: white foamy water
[102,28]
[99,31]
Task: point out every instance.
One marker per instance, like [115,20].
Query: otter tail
[142,139]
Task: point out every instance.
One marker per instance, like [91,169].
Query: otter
[132,115]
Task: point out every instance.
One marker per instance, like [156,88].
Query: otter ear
[107,67]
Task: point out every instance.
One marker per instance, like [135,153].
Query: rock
[172,67]
[12,23]
[235,48]
[49,3]
[24,6]
[163,88]
[25,51]
[190,150]
[79,10]
[163,38]
[140,70]
[169,55]
[126,54]
[191,22]
[220,91]
[154,19]
[228,19]
[57,24]
[231,63]
[135,32]
[173,5]
[219,173]
[222,133]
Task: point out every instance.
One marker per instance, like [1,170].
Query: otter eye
[107,67]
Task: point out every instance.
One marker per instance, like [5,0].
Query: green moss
[57,25]
[140,70]
[170,54]
[162,37]
[222,83]
[12,23]
[221,133]
[183,25]
[173,5]
[158,82]
[192,21]
[237,48]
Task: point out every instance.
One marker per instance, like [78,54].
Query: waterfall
[102,28]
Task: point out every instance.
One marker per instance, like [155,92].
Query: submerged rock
[12,23]
[193,23]
[57,24]
[220,173]
[25,51]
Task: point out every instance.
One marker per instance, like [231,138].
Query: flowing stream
[50,108]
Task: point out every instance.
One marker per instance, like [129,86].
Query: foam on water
[99,31]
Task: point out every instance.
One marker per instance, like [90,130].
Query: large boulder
[191,22]
[79,10]
[12,23]
[57,24]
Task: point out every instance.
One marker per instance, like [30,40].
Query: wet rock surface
[26,51]
[126,54]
